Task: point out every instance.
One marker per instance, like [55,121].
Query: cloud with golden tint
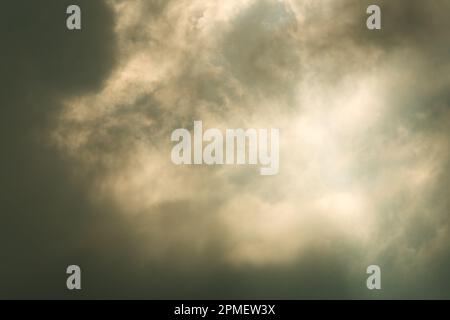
[359,159]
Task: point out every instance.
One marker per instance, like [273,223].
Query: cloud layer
[364,153]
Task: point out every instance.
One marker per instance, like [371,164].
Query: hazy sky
[86,176]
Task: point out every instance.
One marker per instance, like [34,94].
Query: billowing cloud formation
[363,159]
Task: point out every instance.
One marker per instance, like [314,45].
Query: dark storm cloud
[44,213]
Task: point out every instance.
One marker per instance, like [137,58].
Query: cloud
[45,213]
[364,148]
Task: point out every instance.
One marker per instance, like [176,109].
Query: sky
[86,176]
